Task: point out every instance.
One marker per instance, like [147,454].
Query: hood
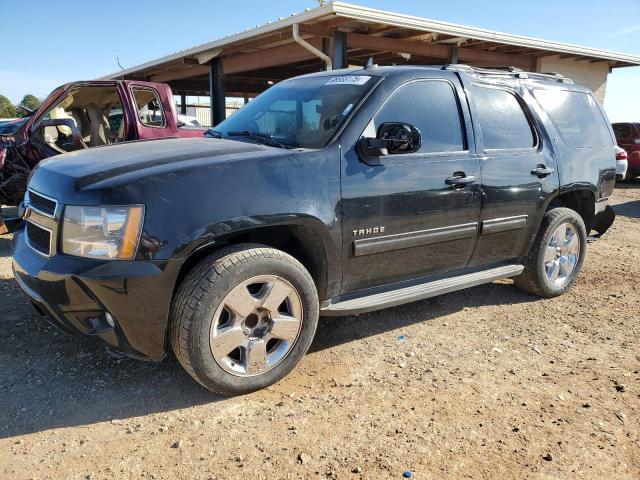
[86,168]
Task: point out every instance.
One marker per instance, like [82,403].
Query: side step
[414,293]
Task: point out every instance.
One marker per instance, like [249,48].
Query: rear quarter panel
[592,168]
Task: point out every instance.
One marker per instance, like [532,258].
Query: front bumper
[124,303]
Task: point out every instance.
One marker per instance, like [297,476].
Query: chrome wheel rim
[256,325]
[562,254]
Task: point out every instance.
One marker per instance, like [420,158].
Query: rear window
[577,118]
[503,123]
[622,131]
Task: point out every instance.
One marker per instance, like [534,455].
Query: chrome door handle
[541,171]
[460,181]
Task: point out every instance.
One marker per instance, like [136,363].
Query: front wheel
[244,318]
[557,255]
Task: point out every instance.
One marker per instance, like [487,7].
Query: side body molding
[386,243]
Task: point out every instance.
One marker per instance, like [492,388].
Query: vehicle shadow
[51,380]
[629,209]
[334,331]
[5,245]
[632,185]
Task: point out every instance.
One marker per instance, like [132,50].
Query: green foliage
[7,110]
[30,101]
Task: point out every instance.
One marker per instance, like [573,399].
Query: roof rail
[509,71]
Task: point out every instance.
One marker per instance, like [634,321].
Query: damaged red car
[82,115]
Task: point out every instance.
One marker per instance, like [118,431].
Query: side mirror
[392,138]
[76,138]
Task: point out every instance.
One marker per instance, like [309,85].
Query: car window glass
[300,113]
[430,106]
[576,116]
[95,111]
[149,107]
[503,123]
[622,131]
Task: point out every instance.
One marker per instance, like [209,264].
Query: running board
[414,293]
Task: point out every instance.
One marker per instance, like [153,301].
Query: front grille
[42,204]
[39,238]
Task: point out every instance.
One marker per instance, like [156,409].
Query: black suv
[329,194]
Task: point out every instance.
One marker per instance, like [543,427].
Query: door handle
[460,181]
[541,171]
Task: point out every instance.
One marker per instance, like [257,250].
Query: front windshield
[298,113]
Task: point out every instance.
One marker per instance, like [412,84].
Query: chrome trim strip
[387,243]
[497,225]
[33,207]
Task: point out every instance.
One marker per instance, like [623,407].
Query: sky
[46,45]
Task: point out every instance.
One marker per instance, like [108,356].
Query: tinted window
[503,123]
[622,131]
[431,107]
[577,117]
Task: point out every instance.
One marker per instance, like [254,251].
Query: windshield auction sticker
[349,80]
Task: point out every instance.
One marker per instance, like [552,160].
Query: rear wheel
[244,318]
[557,255]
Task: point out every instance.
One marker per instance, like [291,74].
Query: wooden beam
[259,43]
[185,72]
[269,57]
[356,40]
[316,31]
[493,58]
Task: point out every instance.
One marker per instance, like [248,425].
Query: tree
[30,101]
[7,110]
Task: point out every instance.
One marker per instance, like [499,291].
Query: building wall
[591,75]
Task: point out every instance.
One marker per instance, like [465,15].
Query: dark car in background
[334,193]
[628,138]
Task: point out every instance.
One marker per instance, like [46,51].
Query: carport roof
[392,33]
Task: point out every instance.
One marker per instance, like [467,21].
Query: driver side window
[432,107]
[95,112]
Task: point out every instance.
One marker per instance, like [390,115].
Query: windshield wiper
[265,138]
[211,133]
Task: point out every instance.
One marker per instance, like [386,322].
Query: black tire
[534,277]
[629,177]
[205,288]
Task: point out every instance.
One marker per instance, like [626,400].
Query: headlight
[102,232]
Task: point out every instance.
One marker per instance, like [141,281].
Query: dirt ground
[484,383]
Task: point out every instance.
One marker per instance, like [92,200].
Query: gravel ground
[485,383]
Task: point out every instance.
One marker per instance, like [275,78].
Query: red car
[628,138]
[83,115]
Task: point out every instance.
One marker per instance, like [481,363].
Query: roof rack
[509,71]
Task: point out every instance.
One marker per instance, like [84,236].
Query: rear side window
[577,118]
[149,107]
[503,123]
[622,131]
[432,107]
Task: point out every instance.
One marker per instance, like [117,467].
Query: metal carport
[338,35]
